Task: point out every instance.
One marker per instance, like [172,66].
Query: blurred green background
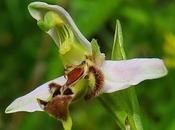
[28,57]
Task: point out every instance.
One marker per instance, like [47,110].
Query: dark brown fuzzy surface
[55,88]
[58,106]
[99,82]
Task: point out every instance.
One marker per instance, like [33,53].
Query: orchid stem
[123,105]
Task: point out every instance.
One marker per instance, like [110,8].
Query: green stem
[123,105]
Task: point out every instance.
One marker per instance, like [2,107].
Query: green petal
[98,56]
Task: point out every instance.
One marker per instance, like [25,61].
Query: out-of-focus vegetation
[28,57]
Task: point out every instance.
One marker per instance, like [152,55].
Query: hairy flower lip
[98,85]
[63,14]
[58,106]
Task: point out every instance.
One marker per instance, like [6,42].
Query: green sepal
[123,105]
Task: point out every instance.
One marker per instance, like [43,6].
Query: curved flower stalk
[87,73]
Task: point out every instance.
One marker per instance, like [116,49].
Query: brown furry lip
[99,82]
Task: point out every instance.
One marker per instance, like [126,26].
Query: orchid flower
[87,74]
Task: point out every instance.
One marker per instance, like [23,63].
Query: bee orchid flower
[87,74]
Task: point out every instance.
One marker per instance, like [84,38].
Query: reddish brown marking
[99,83]
[74,75]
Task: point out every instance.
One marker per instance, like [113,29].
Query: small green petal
[118,52]
[98,56]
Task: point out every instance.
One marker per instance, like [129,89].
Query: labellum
[57,106]
[62,95]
